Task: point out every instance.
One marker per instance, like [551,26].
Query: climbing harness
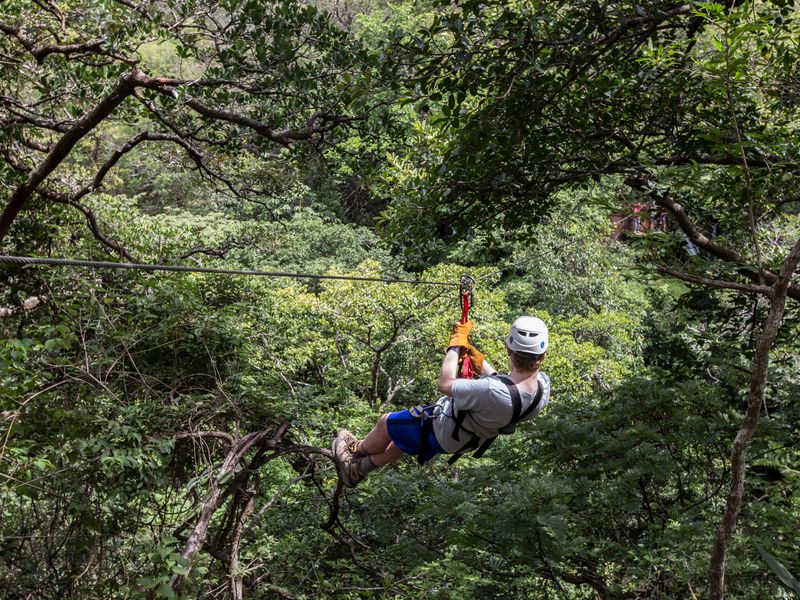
[517,415]
[63,262]
[425,412]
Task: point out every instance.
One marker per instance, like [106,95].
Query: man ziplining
[468,417]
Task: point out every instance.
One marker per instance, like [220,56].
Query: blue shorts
[406,433]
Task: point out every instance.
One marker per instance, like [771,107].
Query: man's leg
[376,450]
[377,440]
[390,454]
[378,445]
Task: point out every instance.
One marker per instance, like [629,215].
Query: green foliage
[536,100]
[489,138]
[780,571]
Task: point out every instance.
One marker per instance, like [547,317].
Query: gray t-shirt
[490,409]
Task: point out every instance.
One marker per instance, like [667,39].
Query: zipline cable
[68,262]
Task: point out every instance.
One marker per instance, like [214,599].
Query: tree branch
[63,147]
[144,136]
[91,220]
[182,138]
[238,449]
[34,145]
[15,118]
[87,212]
[226,437]
[755,398]
[235,574]
[220,252]
[43,51]
[718,159]
[716,283]
[100,176]
[318,123]
[642,183]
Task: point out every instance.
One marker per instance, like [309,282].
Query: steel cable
[68,262]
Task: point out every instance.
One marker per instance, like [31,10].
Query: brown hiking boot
[346,462]
[350,441]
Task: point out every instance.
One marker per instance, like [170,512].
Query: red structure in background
[637,218]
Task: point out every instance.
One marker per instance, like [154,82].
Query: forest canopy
[625,171]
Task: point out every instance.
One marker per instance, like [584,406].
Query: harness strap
[536,400]
[425,442]
[472,444]
[459,418]
[517,416]
[484,447]
[516,399]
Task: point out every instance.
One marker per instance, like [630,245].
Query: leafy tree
[71,72]
[683,104]
[167,435]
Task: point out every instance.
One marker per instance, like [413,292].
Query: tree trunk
[236,575]
[755,398]
[239,448]
[125,87]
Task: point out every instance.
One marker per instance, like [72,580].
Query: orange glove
[459,334]
[476,356]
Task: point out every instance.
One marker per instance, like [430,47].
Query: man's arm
[486,368]
[449,371]
[480,362]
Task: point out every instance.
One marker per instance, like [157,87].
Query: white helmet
[529,335]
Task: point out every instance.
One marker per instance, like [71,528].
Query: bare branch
[87,212]
[27,305]
[91,220]
[144,136]
[34,145]
[182,138]
[73,200]
[318,123]
[236,575]
[124,88]
[226,437]
[220,252]
[59,152]
[16,118]
[719,159]
[716,283]
[238,449]
[755,399]
[43,51]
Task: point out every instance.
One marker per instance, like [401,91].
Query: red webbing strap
[467,370]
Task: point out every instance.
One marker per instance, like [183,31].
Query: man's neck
[519,377]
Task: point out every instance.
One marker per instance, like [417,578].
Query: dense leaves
[166,435]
